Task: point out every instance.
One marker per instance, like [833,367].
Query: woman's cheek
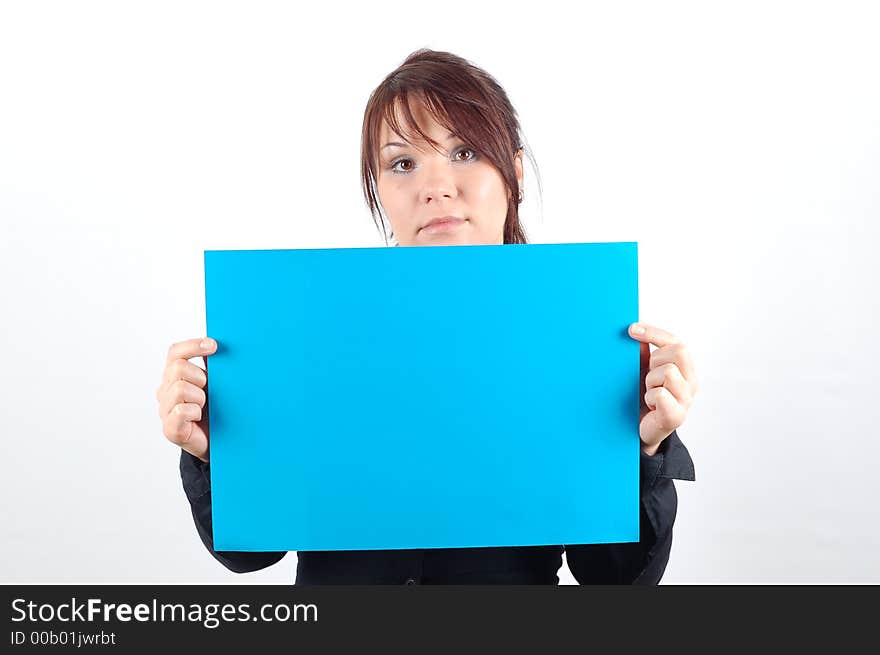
[493,202]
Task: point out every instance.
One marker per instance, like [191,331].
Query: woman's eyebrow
[404,145]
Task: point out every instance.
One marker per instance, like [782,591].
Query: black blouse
[640,562]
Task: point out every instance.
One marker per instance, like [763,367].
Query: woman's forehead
[431,128]
[424,119]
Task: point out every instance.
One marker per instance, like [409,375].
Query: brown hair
[461,97]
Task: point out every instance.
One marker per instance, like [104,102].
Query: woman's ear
[517,162]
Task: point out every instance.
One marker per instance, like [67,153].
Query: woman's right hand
[182,396]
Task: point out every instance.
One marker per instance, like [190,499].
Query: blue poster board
[423,397]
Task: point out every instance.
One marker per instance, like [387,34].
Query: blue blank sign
[423,397]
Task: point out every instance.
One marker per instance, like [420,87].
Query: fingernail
[638,329]
[207,344]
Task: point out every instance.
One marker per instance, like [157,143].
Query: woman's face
[417,185]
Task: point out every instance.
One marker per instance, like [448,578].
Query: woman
[441,162]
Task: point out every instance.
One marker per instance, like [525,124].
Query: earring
[520,196]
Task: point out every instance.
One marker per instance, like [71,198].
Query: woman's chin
[459,236]
[442,239]
[448,241]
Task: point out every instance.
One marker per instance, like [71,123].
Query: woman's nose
[439,183]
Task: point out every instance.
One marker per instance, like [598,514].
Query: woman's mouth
[445,224]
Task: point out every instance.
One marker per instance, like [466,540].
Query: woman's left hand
[668,384]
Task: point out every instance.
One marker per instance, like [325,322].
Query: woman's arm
[642,562]
[196,478]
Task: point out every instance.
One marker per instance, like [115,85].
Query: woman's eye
[402,165]
[468,153]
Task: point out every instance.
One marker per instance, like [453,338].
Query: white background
[739,144]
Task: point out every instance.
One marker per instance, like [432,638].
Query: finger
[679,355]
[181,428]
[181,369]
[181,391]
[198,443]
[670,377]
[183,413]
[191,348]
[652,334]
[668,412]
